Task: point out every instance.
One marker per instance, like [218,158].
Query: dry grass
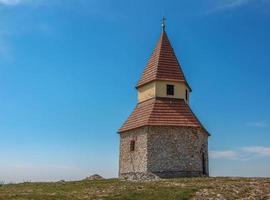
[183,188]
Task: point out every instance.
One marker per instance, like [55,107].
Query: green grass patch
[154,193]
[104,189]
[114,189]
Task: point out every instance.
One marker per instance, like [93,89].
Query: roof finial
[163,23]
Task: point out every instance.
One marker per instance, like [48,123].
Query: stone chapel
[162,137]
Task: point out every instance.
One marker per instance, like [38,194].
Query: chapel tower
[162,136]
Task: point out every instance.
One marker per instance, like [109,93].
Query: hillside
[184,188]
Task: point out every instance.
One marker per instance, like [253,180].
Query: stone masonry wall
[166,152]
[176,151]
[132,162]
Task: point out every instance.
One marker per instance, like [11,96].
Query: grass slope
[184,188]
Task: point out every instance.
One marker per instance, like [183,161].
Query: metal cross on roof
[163,23]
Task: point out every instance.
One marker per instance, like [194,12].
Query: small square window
[132,145]
[170,89]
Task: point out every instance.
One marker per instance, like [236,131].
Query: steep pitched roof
[162,112]
[163,64]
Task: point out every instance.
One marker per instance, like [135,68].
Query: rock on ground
[95,177]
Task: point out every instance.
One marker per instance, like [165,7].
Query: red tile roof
[162,112]
[163,64]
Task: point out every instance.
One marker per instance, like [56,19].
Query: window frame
[170,90]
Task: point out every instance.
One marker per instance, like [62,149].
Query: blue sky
[68,71]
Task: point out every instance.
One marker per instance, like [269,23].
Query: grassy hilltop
[184,188]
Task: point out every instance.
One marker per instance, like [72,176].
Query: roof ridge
[152,109]
[180,68]
[160,43]
[163,64]
[197,119]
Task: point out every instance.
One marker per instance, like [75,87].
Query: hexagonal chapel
[162,137]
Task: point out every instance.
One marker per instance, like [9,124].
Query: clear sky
[68,69]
